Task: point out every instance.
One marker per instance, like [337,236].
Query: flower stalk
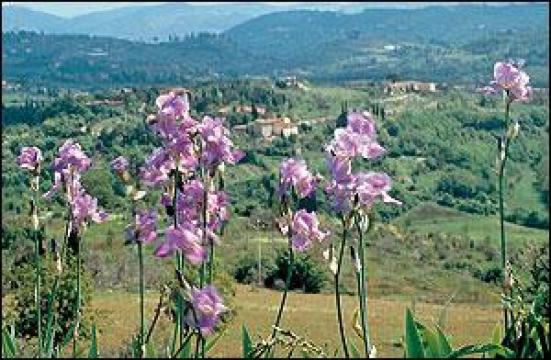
[77,306]
[286,290]
[362,289]
[337,291]
[34,214]
[503,157]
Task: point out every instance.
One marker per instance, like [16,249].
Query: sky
[69,9]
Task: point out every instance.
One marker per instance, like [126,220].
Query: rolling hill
[324,46]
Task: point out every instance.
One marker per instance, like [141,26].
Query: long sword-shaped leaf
[354,351]
[445,346]
[213,342]
[480,349]
[247,344]
[8,344]
[50,331]
[414,346]
[93,353]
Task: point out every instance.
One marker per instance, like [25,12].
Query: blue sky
[68,9]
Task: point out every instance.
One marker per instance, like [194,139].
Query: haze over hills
[139,22]
[135,22]
[319,45]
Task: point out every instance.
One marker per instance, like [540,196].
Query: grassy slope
[428,217]
[311,316]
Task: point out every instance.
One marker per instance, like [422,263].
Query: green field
[431,218]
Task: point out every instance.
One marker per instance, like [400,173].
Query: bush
[307,274]
[245,270]
[24,312]
[493,274]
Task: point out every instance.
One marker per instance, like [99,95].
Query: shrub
[24,313]
[245,270]
[307,274]
[493,274]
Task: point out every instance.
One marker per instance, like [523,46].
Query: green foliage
[23,279]
[307,274]
[528,307]
[9,343]
[246,269]
[246,341]
[422,342]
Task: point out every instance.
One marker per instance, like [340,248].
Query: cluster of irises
[188,167]
[69,165]
[352,196]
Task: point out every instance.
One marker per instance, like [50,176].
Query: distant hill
[442,44]
[301,32]
[136,22]
[21,18]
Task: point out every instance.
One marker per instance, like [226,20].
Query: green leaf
[68,336]
[496,334]
[247,344]
[414,346]
[354,351]
[50,331]
[432,346]
[186,351]
[209,345]
[445,346]
[93,353]
[150,349]
[479,349]
[8,344]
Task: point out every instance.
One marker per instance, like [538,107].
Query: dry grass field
[311,316]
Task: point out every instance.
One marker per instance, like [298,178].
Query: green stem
[287,284]
[501,211]
[34,215]
[211,263]
[37,294]
[203,270]
[178,333]
[338,296]
[142,315]
[75,334]
[363,294]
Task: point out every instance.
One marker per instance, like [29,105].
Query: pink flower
[68,165]
[165,127]
[341,195]
[157,168]
[182,151]
[305,230]
[144,227]
[357,139]
[207,306]
[190,204]
[216,145]
[340,168]
[294,173]
[508,77]
[361,123]
[217,208]
[173,105]
[84,207]
[186,238]
[71,156]
[120,164]
[372,185]
[30,158]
